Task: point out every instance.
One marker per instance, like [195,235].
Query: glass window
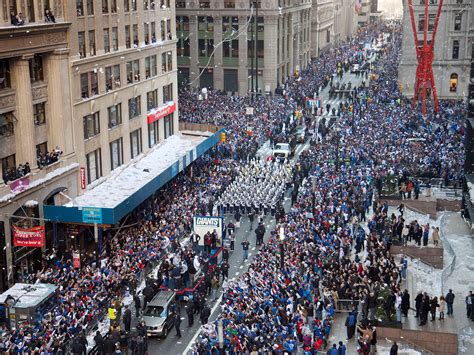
[106,40]
[151,100]
[115,45]
[135,35]
[153,133]
[168,92]
[128,41]
[206,23]
[90,7]
[455,49]
[457,21]
[94,165]
[91,125]
[82,44]
[80,8]
[163,29]
[89,84]
[182,23]
[136,142]
[146,33]
[183,48]
[151,68]
[134,5]
[36,68]
[204,4]
[41,151]
[113,6]
[126,5]
[112,77]
[8,168]
[133,71]
[5,81]
[163,62]
[92,43]
[169,36]
[168,123]
[134,107]
[6,124]
[180,4]
[453,82]
[116,154]
[105,6]
[153,32]
[231,49]
[115,115]
[169,60]
[229,4]
[39,114]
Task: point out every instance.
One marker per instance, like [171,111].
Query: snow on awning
[116,195]
[31,203]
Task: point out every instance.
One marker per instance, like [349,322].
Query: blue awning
[126,188]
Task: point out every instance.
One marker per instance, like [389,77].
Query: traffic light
[223,137]
[351,108]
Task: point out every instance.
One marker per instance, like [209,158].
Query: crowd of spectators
[268,307]
[16,173]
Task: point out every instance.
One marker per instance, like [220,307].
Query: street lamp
[282,248]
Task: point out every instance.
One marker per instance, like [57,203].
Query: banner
[160,112]
[20,185]
[76,260]
[32,237]
[204,224]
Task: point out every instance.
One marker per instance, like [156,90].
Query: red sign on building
[32,237]
[161,112]
[76,260]
[82,175]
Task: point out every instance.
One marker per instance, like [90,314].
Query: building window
[180,4]
[134,107]
[230,24]
[206,23]
[6,124]
[168,93]
[39,114]
[134,5]
[94,165]
[183,48]
[91,125]
[105,6]
[146,34]
[128,40]
[136,142]
[133,71]
[106,40]
[89,85]
[229,4]
[90,7]
[9,168]
[112,77]
[145,4]
[153,133]
[36,68]
[113,6]
[204,4]
[328,36]
[457,21]
[153,32]
[116,154]
[115,45]
[205,47]
[151,66]
[42,155]
[92,43]
[5,81]
[115,115]
[126,5]
[169,60]
[453,82]
[455,49]
[151,100]
[431,22]
[168,123]
[80,8]
[82,44]
[182,23]
[135,35]
[231,49]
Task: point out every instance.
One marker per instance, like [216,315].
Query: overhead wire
[229,38]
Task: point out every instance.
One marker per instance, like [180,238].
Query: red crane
[424,81]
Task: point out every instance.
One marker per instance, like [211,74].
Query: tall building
[345,19]
[35,119]
[323,25]
[368,11]
[216,48]
[453,46]
[85,87]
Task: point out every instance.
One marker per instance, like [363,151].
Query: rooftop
[27,295]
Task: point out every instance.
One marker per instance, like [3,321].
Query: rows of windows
[94,158]
[87,44]
[89,82]
[86,7]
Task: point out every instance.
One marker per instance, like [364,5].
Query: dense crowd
[269,307]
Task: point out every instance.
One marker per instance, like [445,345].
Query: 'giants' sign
[160,112]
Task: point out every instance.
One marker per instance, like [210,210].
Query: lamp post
[282,247]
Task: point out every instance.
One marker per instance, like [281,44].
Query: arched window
[453,82]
